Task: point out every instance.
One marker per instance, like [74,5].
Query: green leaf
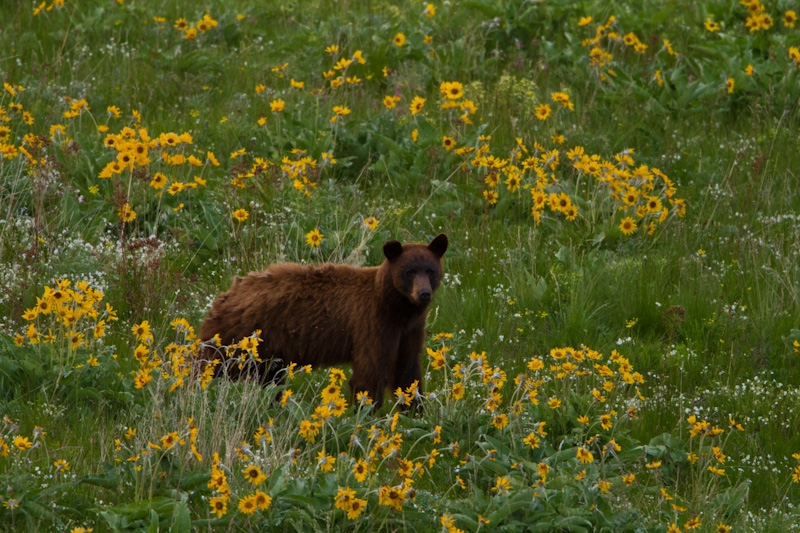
[110,479]
[154,522]
[83,393]
[497,516]
[667,444]
[574,523]
[380,166]
[194,480]
[733,499]
[498,445]
[465,520]
[487,8]
[390,144]
[114,520]
[34,509]
[181,521]
[428,135]
[142,509]
[310,504]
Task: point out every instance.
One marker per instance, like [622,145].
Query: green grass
[705,307]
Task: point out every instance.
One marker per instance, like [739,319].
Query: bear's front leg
[372,368]
[408,368]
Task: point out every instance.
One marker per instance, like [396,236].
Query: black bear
[372,317]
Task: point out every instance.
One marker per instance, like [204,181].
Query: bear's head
[416,269]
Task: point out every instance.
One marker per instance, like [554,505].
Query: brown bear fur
[330,314]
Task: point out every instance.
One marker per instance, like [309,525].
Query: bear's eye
[411,273]
[430,272]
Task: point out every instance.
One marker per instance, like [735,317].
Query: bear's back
[324,276]
[307,314]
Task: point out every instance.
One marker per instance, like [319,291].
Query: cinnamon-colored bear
[329,314]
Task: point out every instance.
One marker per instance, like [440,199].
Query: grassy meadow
[615,344]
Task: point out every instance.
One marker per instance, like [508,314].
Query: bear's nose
[425,295]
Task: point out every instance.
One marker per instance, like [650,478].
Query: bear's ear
[392,250]
[438,246]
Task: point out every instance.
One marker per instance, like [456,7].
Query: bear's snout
[421,290]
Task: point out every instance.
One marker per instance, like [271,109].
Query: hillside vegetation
[615,344]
